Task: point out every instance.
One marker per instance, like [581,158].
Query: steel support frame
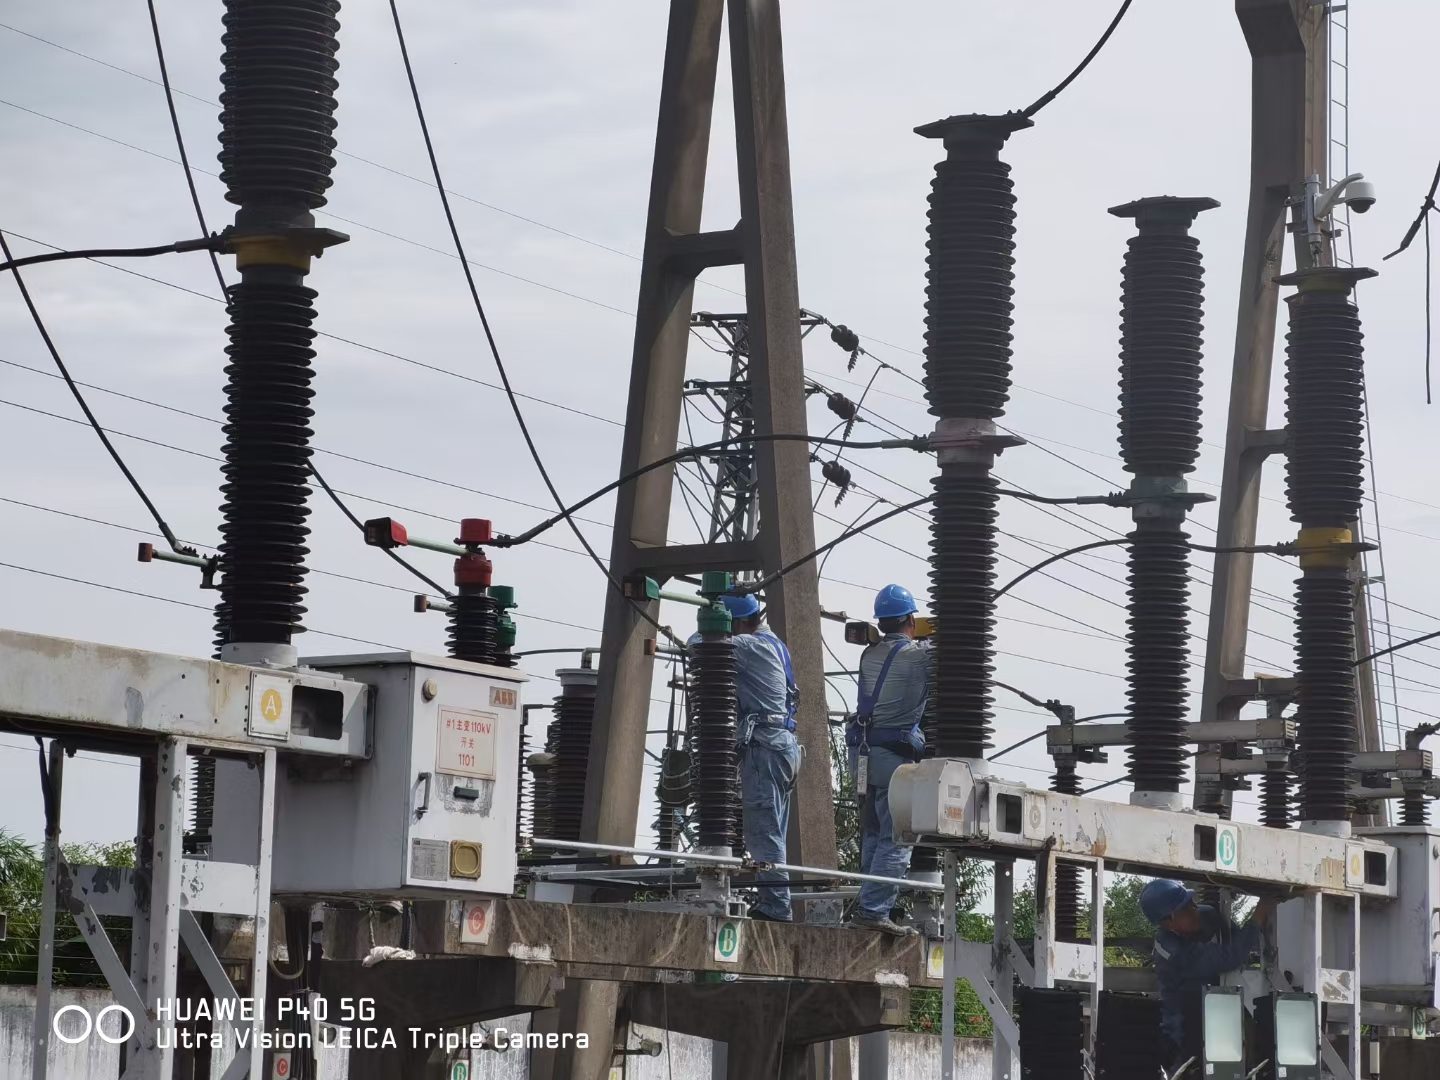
[45,949]
[160,918]
[1283,37]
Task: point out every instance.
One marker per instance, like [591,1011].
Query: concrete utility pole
[1287,143]
[676,252]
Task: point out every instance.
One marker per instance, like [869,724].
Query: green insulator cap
[505,632]
[713,620]
[504,595]
[715,583]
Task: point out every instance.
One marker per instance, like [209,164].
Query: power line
[85,408]
[490,337]
[178,603]
[1051,95]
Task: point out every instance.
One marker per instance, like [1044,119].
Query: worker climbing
[884,733]
[1194,945]
[769,754]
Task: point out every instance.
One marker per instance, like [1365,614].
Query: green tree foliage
[22,879]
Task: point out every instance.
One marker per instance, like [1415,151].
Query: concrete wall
[78,1061]
[917,1057]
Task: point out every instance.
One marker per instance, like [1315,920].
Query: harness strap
[865,703]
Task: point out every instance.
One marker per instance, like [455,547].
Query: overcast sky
[543,114]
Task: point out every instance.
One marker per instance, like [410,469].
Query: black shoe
[756,915]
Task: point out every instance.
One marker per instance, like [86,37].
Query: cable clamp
[969,441]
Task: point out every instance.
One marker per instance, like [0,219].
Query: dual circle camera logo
[94,1025]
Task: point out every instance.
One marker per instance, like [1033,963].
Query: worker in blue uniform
[884,733]
[769,754]
[1194,946]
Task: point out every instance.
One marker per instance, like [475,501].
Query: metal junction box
[1400,941]
[433,810]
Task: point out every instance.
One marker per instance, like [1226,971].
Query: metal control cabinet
[434,807]
[1401,941]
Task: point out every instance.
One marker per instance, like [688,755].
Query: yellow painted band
[273,250]
[1317,546]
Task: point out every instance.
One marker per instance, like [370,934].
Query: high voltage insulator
[1325,425]
[1275,797]
[1066,781]
[838,475]
[574,719]
[474,613]
[968,308]
[713,713]
[1160,361]
[848,340]
[842,406]
[277,120]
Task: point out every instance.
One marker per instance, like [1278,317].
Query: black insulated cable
[180,139]
[160,522]
[1051,95]
[208,243]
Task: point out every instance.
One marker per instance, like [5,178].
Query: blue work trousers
[879,855]
[767,780]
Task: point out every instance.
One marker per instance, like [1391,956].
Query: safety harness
[792,692]
[861,735]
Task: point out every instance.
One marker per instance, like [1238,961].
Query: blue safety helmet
[894,602]
[741,607]
[1160,899]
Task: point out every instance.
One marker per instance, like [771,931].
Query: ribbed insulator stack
[277,119]
[474,621]
[542,767]
[1066,781]
[202,805]
[474,610]
[267,459]
[1052,1034]
[1415,810]
[713,712]
[1275,798]
[968,308]
[1160,358]
[574,719]
[1324,457]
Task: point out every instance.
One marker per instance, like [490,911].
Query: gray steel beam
[1064,736]
[45,946]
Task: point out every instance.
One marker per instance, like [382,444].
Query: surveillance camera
[1360,195]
